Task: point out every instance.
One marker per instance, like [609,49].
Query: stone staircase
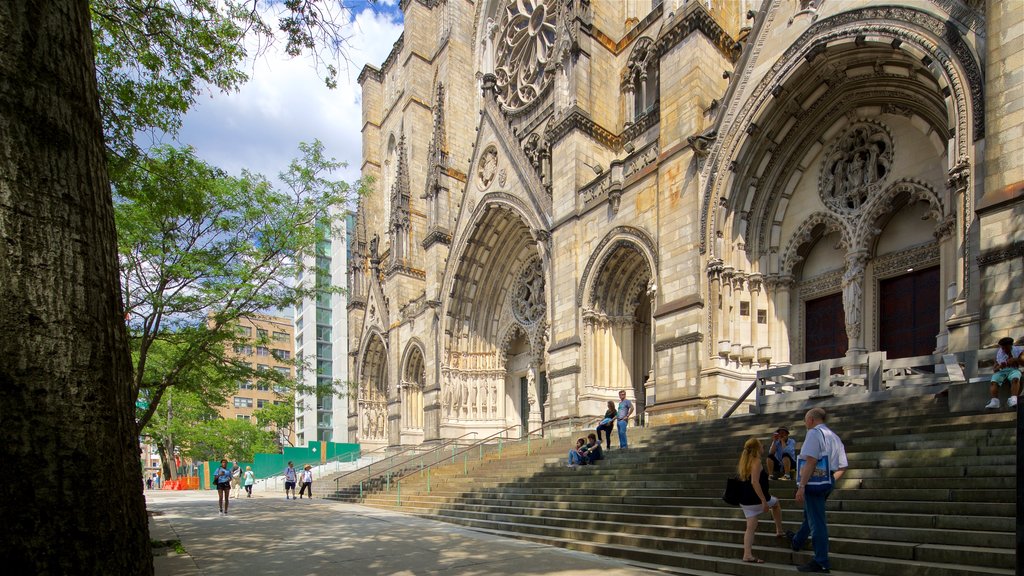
[927,494]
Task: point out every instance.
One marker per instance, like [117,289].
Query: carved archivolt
[523,66]
[937,38]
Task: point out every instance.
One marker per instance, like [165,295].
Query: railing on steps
[390,464]
[494,443]
[870,373]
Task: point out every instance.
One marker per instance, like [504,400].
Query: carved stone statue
[853,298]
[489,30]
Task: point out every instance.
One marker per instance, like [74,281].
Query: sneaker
[992,404]
[814,567]
[786,477]
[1011,402]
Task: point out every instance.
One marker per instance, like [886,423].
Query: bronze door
[825,332]
[909,310]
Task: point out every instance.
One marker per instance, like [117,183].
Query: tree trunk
[166,449]
[71,498]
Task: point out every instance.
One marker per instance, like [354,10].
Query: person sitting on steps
[781,454]
[576,454]
[1009,359]
[592,450]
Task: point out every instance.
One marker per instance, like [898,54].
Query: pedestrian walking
[222,477]
[756,498]
[236,480]
[290,478]
[822,461]
[307,481]
[249,480]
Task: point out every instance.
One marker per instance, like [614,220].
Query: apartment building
[266,344]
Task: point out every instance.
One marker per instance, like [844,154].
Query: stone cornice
[695,17]
[577,119]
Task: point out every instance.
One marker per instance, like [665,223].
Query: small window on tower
[744,308]
[762,316]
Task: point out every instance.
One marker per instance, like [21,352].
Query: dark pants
[607,429]
[306,486]
[248,489]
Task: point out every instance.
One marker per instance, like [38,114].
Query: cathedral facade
[576,197]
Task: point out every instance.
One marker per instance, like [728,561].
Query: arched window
[641,82]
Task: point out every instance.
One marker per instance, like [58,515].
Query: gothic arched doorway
[618,324]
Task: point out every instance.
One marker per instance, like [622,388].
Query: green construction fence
[267,465]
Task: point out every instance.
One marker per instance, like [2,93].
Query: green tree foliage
[155,58]
[200,249]
[280,417]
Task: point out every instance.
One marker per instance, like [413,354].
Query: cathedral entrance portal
[617,324]
[373,394]
[495,327]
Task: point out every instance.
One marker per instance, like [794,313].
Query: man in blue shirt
[781,454]
[622,418]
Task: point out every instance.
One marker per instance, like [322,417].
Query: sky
[286,102]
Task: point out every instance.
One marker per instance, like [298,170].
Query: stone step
[652,549]
[663,515]
[730,529]
[679,505]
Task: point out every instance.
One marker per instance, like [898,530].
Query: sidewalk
[270,535]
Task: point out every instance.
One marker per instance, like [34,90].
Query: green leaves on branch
[200,249]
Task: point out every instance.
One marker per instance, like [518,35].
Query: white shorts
[751,510]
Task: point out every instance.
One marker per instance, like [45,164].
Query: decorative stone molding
[691,338]
[558,373]
[897,263]
[790,257]
[695,18]
[487,167]
[565,343]
[820,285]
[528,304]
[856,163]
[995,256]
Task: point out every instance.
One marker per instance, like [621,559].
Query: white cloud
[286,102]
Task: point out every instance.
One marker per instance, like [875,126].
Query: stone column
[782,319]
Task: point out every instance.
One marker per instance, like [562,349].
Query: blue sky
[286,102]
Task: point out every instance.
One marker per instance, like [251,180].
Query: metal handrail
[481,443]
[742,398]
[370,474]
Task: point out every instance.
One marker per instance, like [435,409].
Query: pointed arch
[813,228]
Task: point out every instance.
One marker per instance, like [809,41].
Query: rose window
[528,294]
[524,46]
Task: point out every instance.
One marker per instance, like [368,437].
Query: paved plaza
[271,535]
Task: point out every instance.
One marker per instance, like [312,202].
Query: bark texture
[71,495]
